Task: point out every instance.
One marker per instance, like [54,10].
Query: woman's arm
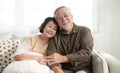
[26,56]
[24,51]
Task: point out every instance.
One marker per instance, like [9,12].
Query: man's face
[64,19]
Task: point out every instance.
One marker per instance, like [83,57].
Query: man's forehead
[62,12]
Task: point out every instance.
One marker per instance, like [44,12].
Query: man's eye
[65,15]
[59,18]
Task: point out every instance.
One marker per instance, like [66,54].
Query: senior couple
[63,47]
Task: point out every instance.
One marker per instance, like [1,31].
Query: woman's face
[50,29]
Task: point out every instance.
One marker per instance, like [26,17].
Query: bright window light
[27,15]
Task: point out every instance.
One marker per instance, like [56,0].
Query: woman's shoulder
[34,36]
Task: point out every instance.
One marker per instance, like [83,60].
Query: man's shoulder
[83,28]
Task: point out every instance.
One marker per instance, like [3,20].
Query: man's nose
[63,18]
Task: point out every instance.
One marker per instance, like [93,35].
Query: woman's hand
[56,58]
[41,60]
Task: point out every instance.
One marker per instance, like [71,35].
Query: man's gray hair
[61,8]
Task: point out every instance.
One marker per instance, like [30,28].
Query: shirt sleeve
[52,48]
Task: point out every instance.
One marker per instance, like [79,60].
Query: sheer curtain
[25,16]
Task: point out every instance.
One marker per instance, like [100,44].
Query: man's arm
[57,69]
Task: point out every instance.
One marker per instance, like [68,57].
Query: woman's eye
[54,29]
[49,26]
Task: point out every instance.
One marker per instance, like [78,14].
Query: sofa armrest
[99,64]
[113,63]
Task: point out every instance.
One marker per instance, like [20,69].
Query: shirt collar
[75,28]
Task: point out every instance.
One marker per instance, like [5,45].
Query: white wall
[108,38]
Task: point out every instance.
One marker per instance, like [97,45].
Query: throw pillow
[7,49]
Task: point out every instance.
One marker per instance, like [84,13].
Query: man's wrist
[65,58]
[57,69]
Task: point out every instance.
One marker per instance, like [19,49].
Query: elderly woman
[29,56]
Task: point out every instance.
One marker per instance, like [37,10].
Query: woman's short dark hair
[41,28]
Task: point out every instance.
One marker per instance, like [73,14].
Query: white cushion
[27,66]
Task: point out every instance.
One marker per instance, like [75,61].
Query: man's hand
[56,58]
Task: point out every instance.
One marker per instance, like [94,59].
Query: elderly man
[71,48]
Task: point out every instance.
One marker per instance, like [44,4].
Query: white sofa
[102,62]
[105,63]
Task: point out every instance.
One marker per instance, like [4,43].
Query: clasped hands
[53,59]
